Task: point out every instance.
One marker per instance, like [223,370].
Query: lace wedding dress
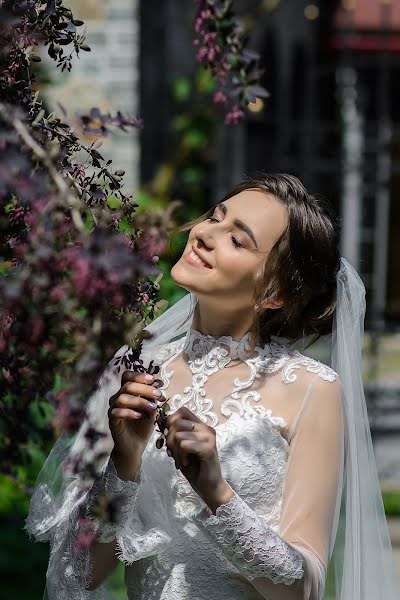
[280,441]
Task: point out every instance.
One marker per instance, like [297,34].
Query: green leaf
[89,221]
[125,226]
[41,413]
[113,202]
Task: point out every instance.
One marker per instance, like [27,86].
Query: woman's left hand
[195,453]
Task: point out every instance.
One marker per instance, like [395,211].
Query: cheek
[238,266]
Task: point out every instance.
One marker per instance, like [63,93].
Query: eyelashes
[235,241]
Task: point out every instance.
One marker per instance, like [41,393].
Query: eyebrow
[238,223]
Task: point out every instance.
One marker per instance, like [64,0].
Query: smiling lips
[193,258]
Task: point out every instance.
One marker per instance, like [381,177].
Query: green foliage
[11,496]
[114,202]
[391,502]
[22,563]
[41,413]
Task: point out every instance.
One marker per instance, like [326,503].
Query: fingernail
[149,377]
[165,431]
[152,405]
[157,383]
[157,393]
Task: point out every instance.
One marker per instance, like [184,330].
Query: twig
[53,173]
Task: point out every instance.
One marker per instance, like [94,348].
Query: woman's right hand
[131,418]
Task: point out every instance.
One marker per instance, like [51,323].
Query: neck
[221,322]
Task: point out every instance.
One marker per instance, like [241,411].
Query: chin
[179,275]
[182,278]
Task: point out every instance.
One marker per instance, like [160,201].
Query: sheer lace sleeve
[291,564]
[69,566]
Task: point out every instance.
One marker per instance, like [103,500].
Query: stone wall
[106,77]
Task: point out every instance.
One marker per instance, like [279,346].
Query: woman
[267,472]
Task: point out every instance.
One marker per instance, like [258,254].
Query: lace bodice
[278,423]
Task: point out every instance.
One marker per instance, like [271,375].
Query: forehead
[265,214]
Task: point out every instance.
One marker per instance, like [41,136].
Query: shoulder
[291,363]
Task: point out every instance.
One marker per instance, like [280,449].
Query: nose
[204,238]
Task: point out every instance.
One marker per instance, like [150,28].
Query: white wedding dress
[279,432]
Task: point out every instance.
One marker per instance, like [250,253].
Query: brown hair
[300,269]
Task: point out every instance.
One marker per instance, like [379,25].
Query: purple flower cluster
[221,42]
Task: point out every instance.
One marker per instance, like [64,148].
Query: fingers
[125,413]
[125,403]
[189,448]
[183,441]
[182,413]
[186,447]
[139,389]
[186,443]
[138,394]
[173,445]
[135,376]
[140,378]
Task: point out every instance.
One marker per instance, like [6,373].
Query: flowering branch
[221,43]
[78,263]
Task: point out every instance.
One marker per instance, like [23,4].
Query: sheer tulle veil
[360,547]
[363,559]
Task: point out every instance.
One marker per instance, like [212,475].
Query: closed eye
[235,241]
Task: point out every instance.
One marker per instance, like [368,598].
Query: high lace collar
[197,343]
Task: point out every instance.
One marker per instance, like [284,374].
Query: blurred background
[332,68]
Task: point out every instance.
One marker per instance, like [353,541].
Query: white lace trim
[250,544]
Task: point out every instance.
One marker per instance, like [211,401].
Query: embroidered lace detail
[208,354]
[168,350]
[313,366]
[251,545]
[197,343]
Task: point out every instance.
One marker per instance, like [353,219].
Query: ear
[273,304]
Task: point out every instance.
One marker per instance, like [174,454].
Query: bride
[267,476]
